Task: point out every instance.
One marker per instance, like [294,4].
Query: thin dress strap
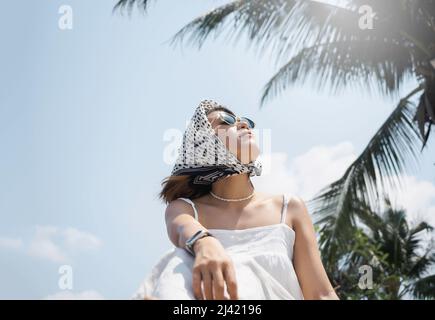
[284,208]
[193,206]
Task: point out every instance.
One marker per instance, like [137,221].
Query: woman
[258,246]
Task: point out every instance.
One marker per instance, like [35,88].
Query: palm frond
[425,113]
[128,4]
[424,288]
[420,265]
[422,226]
[213,21]
[381,162]
[335,65]
[340,50]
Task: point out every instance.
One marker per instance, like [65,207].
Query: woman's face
[238,138]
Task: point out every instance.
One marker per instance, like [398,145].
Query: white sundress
[262,258]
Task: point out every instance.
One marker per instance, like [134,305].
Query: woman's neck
[233,187]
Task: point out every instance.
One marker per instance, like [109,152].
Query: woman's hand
[214,267]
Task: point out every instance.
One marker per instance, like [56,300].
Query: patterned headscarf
[204,156]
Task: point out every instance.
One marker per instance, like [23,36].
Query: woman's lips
[246,136]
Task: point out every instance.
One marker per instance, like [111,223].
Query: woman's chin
[248,158]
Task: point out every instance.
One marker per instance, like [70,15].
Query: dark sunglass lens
[250,123]
[229,119]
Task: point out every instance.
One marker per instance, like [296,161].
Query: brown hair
[174,187]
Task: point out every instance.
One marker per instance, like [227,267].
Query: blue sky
[82,118]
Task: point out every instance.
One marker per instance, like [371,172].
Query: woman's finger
[207,282]
[230,280]
[218,284]
[196,284]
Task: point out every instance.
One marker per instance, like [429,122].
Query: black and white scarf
[204,156]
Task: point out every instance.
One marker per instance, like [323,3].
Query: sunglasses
[230,119]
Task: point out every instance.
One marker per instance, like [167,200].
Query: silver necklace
[231,200]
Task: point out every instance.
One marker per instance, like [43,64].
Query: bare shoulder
[178,206]
[271,203]
[269,199]
[297,204]
[297,212]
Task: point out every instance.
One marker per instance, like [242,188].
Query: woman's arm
[180,222]
[308,265]
[213,266]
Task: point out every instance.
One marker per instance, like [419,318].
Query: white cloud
[417,197]
[69,295]
[44,246]
[10,243]
[57,244]
[307,173]
[79,240]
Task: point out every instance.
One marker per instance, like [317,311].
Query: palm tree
[398,253]
[325,43]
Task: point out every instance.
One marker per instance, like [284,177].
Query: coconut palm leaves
[401,261]
[325,37]
[408,258]
[376,168]
[130,3]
